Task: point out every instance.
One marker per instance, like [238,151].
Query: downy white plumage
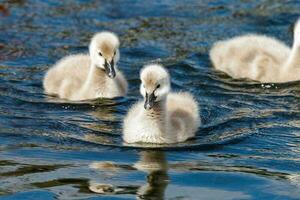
[81,76]
[258,58]
[163,117]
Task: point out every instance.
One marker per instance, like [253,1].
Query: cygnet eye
[115,53]
[158,86]
[100,54]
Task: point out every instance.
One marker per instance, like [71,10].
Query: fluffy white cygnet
[258,58]
[81,76]
[162,117]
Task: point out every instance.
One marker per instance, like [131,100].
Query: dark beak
[110,69]
[149,101]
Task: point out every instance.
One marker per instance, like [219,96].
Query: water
[248,146]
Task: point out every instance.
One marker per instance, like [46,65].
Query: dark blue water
[248,146]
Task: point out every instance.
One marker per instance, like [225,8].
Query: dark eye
[158,86]
[100,54]
[115,53]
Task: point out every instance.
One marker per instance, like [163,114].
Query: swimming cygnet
[82,76]
[163,117]
[258,58]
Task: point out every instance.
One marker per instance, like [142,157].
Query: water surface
[248,146]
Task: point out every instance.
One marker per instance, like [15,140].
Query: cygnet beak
[110,69]
[149,101]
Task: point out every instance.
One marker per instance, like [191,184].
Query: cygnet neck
[96,79]
[158,115]
[158,109]
[294,59]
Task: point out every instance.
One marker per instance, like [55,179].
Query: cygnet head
[297,33]
[104,52]
[155,84]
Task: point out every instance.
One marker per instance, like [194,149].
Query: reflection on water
[152,170]
[153,163]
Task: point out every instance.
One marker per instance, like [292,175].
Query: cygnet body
[162,117]
[257,57]
[83,76]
